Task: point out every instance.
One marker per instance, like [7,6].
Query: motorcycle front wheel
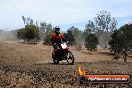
[56,61]
[70,58]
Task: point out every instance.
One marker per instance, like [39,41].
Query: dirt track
[30,66]
[19,53]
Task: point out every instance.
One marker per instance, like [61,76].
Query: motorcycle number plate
[64,45]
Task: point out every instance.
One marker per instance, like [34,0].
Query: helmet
[57,29]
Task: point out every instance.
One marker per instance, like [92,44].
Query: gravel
[48,75]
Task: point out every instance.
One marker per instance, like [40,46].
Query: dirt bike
[62,53]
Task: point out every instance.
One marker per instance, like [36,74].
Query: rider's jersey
[57,38]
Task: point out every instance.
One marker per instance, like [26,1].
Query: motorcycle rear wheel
[70,58]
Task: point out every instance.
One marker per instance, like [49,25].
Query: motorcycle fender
[67,49]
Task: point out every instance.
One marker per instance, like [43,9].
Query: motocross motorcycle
[62,53]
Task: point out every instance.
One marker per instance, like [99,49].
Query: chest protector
[57,38]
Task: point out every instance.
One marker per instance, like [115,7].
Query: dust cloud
[8,35]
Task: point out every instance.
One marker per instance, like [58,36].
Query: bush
[115,41]
[21,34]
[69,37]
[47,39]
[29,34]
[121,39]
[91,42]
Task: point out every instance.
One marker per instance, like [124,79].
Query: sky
[65,13]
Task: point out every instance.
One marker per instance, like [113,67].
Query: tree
[31,31]
[43,27]
[121,40]
[105,22]
[47,39]
[48,31]
[27,21]
[69,37]
[77,34]
[21,34]
[115,41]
[104,25]
[89,28]
[91,42]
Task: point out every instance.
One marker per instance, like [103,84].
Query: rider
[57,37]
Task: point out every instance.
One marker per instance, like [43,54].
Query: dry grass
[19,53]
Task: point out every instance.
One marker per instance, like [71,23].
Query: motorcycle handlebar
[61,43]
[67,42]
